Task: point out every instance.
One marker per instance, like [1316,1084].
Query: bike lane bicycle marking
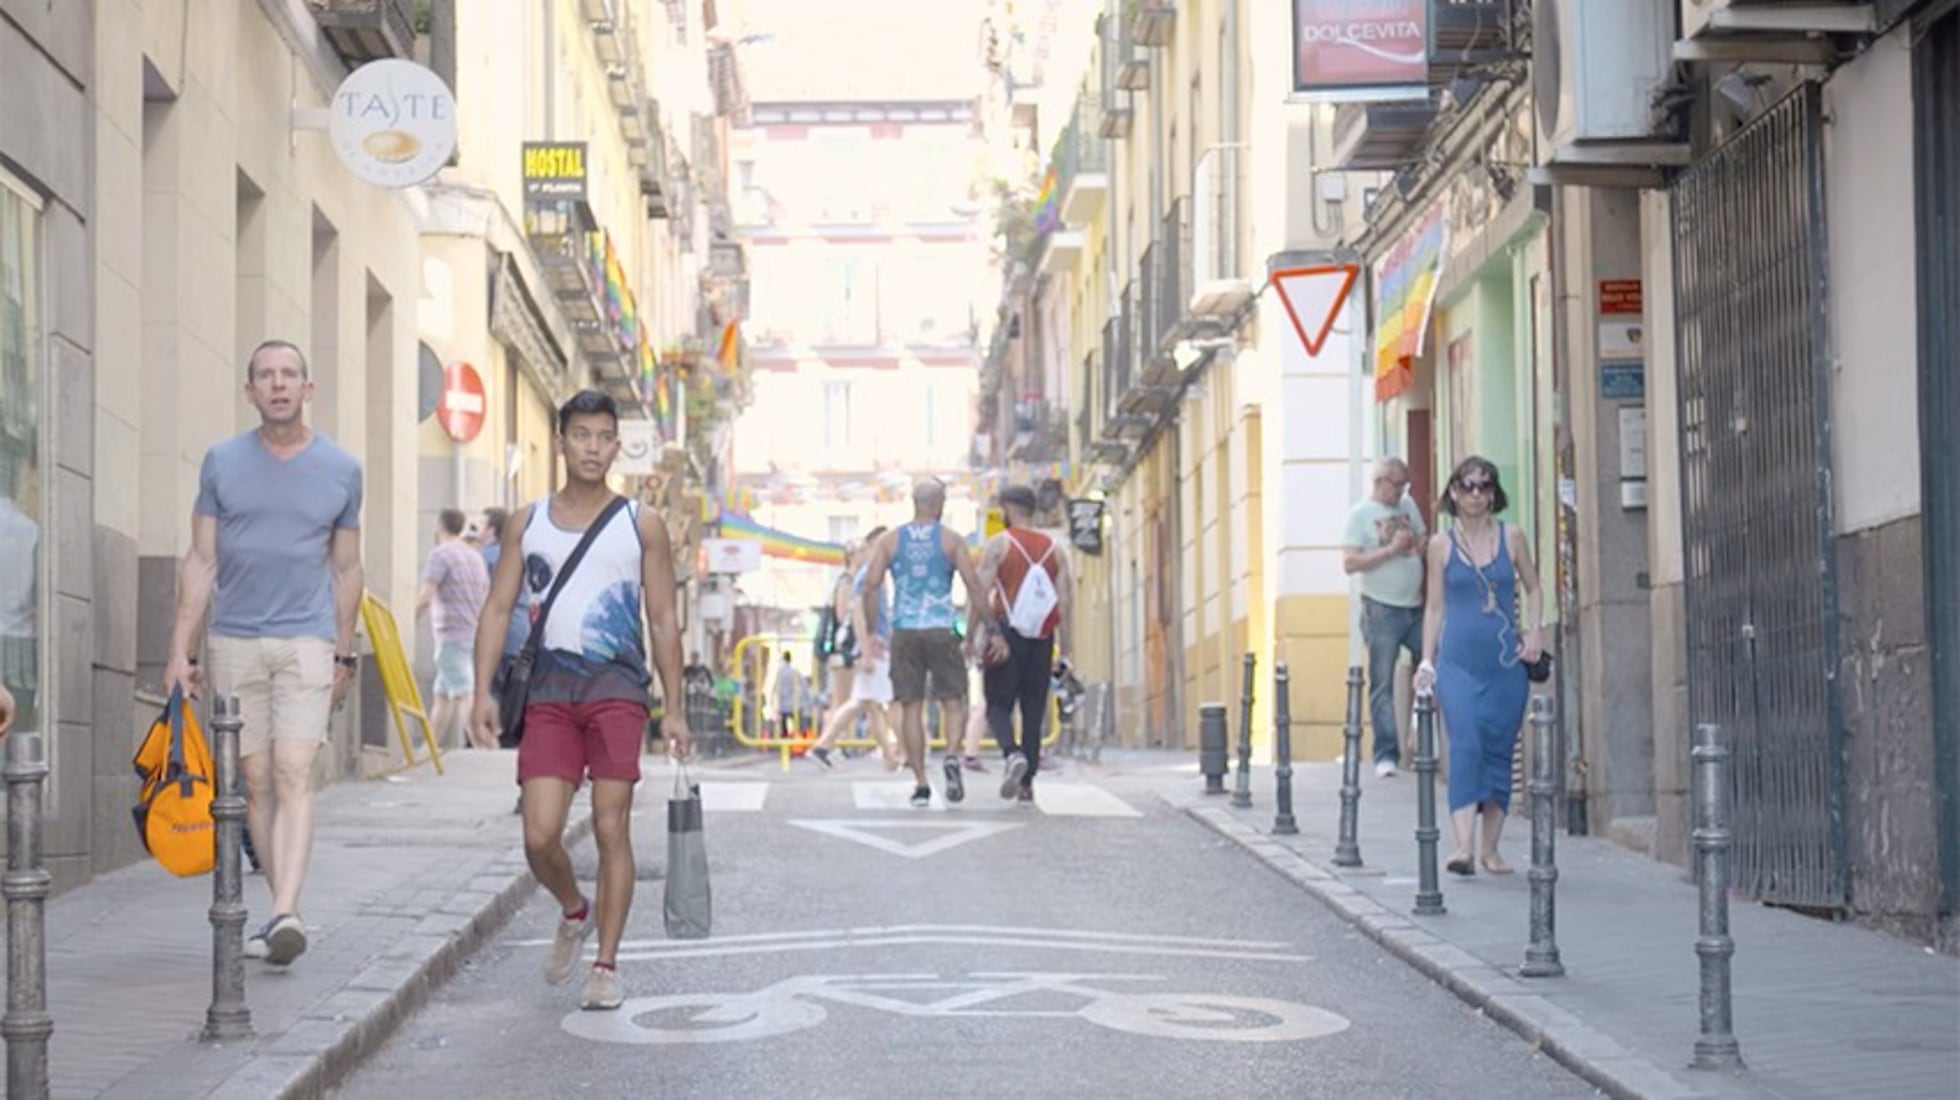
[876,833]
[1060,939]
[798,1003]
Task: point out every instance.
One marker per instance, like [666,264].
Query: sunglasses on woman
[1482,488]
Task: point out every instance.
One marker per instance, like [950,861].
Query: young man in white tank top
[586,712]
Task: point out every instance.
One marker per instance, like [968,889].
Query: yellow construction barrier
[398,682]
[752,661]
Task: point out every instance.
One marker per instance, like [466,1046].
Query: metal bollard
[228,1017]
[1242,791]
[27,1024]
[1541,955]
[1283,823]
[1429,892]
[1213,746]
[1716,1047]
[1347,846]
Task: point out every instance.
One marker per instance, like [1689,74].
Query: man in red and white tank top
[1026,577]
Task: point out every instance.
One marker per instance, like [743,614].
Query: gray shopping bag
[689,908]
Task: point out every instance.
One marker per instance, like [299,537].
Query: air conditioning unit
[1788,18]
[1597,65]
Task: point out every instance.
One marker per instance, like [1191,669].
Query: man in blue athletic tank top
[922,557]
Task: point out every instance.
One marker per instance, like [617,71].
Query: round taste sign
[393,123]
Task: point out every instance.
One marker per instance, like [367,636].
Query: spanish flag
[729,353]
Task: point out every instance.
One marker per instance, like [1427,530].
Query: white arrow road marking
[952,833]
[1051,797]
[1056,939]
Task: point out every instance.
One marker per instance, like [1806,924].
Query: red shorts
[571,741]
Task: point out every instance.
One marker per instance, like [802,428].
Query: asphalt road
[1097,945]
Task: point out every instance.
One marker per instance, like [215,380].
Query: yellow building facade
[1226,455]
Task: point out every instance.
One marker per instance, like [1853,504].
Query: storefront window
[20,474]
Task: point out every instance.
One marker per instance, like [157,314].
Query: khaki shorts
[284,687]
[919,655]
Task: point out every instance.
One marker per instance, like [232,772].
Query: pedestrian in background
[1474,654]
[871,680]
[1383,543]
[1026,578]
[454,584]
[585,711]
[275,559]
[927,658]
[788,692]
[495,520]
[843,637]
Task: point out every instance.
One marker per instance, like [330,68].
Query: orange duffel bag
[173,813]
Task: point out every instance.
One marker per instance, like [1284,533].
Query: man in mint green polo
[1383,543]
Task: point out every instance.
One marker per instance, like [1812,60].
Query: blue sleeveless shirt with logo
[922,576]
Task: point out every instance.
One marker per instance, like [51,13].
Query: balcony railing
[1219,289]
[361,31]
[1082,161]
[1151,21]
[1163,291]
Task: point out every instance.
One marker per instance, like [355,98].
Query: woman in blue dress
[1474,655]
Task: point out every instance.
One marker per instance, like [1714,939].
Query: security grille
[1761,578]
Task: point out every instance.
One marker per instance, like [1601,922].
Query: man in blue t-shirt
[275,559]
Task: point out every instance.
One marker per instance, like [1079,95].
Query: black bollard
[1213,747]
[1283,823]
[1429,892]
[1242,791]
[1716,1048]
[1541,955]
[1347,846]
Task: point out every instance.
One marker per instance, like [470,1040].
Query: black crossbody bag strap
[585,542]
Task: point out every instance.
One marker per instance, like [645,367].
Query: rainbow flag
[782,544]
[1047,205]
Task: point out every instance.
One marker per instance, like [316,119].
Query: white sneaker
[285,940]
[255,945]
[1385,769]
[1010,780]
[567,946]
[603,990]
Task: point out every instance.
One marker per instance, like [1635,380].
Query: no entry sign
[461,410]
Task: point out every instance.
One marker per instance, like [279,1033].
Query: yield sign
[1313,297]
[875,833]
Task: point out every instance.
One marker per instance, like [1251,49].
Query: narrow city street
[865,948]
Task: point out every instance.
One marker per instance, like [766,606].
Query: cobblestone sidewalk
[1822,1010]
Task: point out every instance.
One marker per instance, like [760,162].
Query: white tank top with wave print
[597,630]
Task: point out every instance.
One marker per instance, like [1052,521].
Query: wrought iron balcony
[361,31]
[1219,289]
[1163,293]
[1151,21]
[1082,161]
